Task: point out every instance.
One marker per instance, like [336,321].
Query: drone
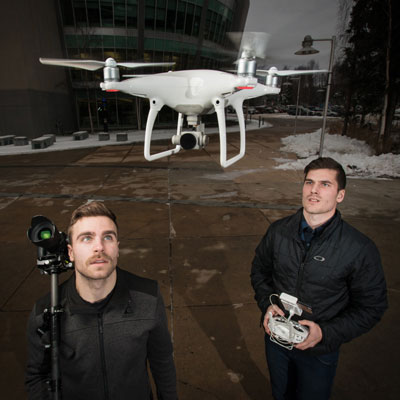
[193,93]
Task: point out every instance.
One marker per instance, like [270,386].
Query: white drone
[193,93]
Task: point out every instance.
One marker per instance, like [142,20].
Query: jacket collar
[120,299]
[293,224]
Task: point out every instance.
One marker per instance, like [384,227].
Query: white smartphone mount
[284,331]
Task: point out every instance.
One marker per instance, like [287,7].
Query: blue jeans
[298,375]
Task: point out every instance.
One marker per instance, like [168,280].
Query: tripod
[52,259]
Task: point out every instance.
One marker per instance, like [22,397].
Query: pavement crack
[168,201]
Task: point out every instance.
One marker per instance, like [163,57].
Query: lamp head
[307,47]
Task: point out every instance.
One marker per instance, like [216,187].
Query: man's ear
[340,195]
[70,253]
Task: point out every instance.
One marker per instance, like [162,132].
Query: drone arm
[155,106]
[220,110]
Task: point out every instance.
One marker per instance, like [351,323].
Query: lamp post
[308,49]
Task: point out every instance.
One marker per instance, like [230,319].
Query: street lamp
[308,49]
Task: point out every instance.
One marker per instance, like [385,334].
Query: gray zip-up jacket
[104,355]
[340,278]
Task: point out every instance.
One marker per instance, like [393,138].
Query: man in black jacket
[335,273]
[113,323]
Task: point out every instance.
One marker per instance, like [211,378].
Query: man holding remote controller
[333,270]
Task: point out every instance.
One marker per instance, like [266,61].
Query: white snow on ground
[355,155]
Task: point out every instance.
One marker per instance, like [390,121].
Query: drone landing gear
[219,106]
[155,106]
[196,138]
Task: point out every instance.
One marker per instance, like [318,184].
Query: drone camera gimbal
[195,139]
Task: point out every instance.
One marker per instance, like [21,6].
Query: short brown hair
[91,209]
[328,163]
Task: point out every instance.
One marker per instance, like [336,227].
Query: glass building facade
[191,33]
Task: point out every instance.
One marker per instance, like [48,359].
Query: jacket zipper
[301,268]
[102,354]
[299,278]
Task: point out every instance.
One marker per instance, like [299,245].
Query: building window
[131,13]
[149,14]
[161,13]
[180,17]
[80,13]
[67,12]
[119,13]
[106,13]
[171,15]
[196,21]
[93,12]
[189,19]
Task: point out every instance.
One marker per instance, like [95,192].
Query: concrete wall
[34,98]
[33,113]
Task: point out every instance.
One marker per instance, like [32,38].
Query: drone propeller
[110,66]
[133,76]
[93,65]
[287,72]
[273,73]
[145,64]
[250,44]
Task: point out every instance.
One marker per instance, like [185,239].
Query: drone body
[191,93]
[188,92]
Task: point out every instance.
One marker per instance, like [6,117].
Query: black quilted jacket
[340,278]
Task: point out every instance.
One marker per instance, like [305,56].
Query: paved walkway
[193,226]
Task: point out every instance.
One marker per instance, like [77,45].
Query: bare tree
[344,17]
[389,102]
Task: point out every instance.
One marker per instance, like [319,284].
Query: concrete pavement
[193,226]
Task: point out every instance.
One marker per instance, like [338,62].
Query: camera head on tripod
[52,245]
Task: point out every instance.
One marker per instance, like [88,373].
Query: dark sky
[288,21]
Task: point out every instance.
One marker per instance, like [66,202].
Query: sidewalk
[193,226]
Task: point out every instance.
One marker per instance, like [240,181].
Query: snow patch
[354,155]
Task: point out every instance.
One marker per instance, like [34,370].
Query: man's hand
[275,310]
[314,337]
